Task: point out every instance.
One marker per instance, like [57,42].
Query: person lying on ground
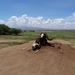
[42,41]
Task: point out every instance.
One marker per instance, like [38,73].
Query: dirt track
[58,60]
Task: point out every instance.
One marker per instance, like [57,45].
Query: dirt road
[21,60]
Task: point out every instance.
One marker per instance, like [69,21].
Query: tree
[1,31]
[15,31]
[4,29]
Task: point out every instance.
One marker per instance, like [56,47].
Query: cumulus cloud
[1,22]
[24,20]
[71,17]
[57,23]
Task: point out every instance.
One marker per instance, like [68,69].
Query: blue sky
[52,14]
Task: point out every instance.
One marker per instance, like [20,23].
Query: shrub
[4,29]
[15,31]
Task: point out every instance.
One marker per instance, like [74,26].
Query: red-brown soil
[21,60]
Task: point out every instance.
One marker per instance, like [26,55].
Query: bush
[4,29]
[15,31]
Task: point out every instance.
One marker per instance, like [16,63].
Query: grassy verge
[29,36]
[12,43]
[6,44]
[65,35]
[62,35]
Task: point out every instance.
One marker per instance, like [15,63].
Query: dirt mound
[21,60]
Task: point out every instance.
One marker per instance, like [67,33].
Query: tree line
[5,30]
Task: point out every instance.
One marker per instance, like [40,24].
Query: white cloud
[70,25]
[48,21]
[16,21]
[58,20]
[71,18]
[55,23]
[1,22]
[25,20]
[34,21]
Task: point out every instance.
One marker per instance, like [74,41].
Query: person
[42,41]
[36,46]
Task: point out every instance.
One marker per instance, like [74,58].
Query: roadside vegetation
[5,30]
[12,43]
[6,44]
[29,35]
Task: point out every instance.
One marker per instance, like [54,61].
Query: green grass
[12,43]
[29,35]
[65,35]
[23,36]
